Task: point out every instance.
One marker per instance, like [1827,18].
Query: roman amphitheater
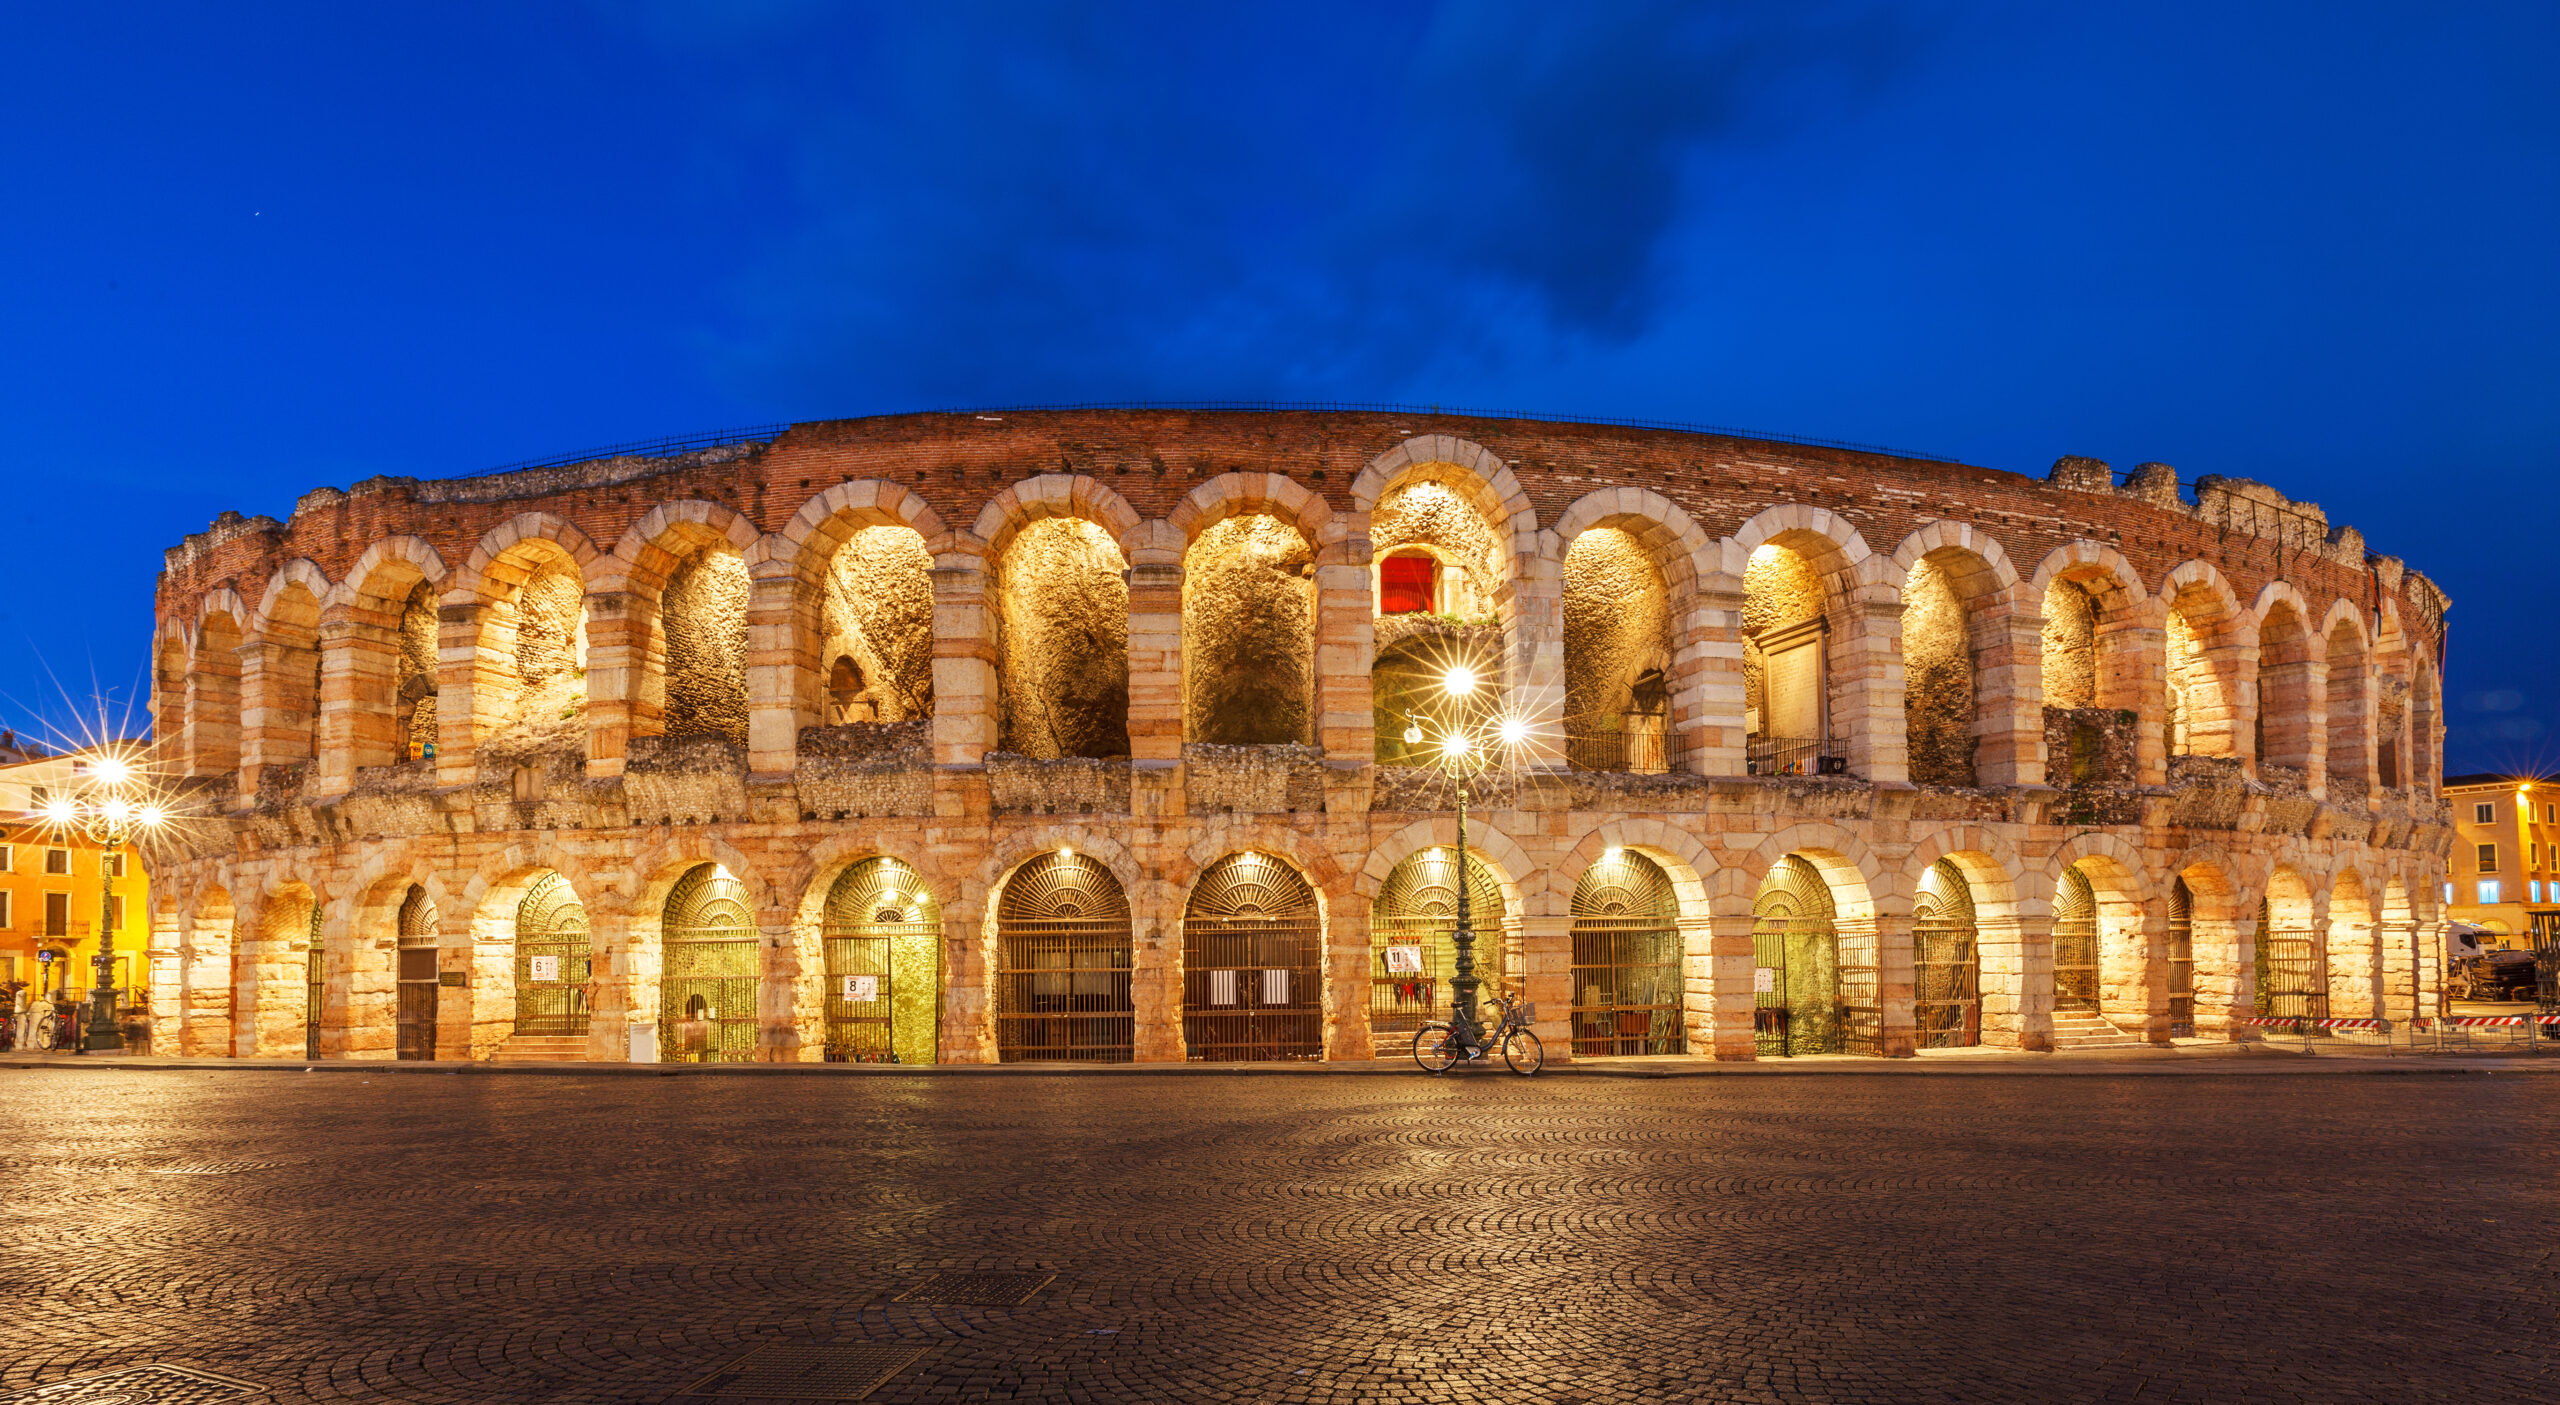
[1081,735]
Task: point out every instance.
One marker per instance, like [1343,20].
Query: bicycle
[1437,1047]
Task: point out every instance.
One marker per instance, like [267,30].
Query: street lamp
[116,806]
[1462,746]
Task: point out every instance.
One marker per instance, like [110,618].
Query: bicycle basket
[1525,1013]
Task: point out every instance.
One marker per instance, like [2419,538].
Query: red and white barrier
[2291,1022]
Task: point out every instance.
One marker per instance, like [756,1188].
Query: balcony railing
[1640,744]
[1792,756]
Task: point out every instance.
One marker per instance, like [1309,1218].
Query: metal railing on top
[1791,756]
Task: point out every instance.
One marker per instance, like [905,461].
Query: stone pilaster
[1866,686]
[1347,974]
[1546,977]
[1155,657]
[475,673]
[279,709]
[2008,689]
[964,662]
[1723,986]
[775,668]
[622,644]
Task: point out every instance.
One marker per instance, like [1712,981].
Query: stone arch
[1053,495]
[1522,879]
[2223,936]
[971,1007]
[2426,727]
[1253,494]
[1248,621]
[2394,746]
[1064,551]
[1867,926]
[520,605]
[378,661]
[2347,720]
[2289,704]
[2132,979]
[1972,714]
[1453,501]
[274,974]
[2006,899]
[383,575]
[859,560]
[2097,667]
[1821,631]
[667,631]
[1689,864]
[1631,563]
[2210,652]
[2352,956]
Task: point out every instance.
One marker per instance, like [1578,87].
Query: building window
[8,858]
[2488,858]
[115,912]
[7,918]
[2488,892]
[57,860]
[1407,585]
[115,865]
[2533,890]
[2448,895]
[2486,812]
[57,915]
[2551,814]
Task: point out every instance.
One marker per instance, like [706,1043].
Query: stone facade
[740,681]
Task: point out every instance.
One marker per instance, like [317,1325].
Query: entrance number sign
[859,989]
[546,968]
[1404,961]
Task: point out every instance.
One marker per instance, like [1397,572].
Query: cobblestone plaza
[2261,1231]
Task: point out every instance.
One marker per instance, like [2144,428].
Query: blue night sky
[256,248]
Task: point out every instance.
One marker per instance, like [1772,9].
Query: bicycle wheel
[1435,1048]
[1521,1050]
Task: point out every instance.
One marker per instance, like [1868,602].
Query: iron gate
[1062,934]
[1252,964]
[2291,984]
[2182,961]
[1946,961]
[1414,922]
[416,1038]
[1803,993]
[883,936]
[1626,959]
[553,959]
[707,989]
[315,986]
[2075,943]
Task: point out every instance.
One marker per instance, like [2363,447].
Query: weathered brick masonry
[731,671]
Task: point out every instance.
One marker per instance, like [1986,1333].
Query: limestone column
[2133,676]
[2226,974]
[967,1032]
[1533,669]
[276,716]
[213,713]
[2226,726]
[623,977]
[1346,645]
[2315,711]
[1888,934]
[474,673]
[964,661]
[205,1011]
[1347,974]
[165,961]
[779,993]
[364,985]
[2008,690]
[1726,984]
[776,666]
[621,638]
[1708,693]
[1155,652]
[1546,978]
[2016,955]
[359,689]
[2397,946]
[1866,687]
[1155,975]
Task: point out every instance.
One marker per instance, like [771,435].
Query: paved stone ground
[2229,1233]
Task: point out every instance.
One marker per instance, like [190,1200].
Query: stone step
[2078,1029]
[541,1048]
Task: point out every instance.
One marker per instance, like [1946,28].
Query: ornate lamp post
[112,809]
[1462,747]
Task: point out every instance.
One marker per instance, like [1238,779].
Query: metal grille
[1946,963]
[1252,964]
[2182,961]
[2291,984]
[2075,943]
[1639,743]
[1062,933]
[416,1038]
[315,986]
[553,959]
[707,992]
[1417,909]
[1800,985]
[1626,959]
[883,935]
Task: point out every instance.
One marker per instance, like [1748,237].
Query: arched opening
[1248,635]
[419,939]
[875,612]
[2182,960]
[883,936]
[280,974]
[2350,701]
[2355,976]
[1452,570]
[2075,943]
[1800,992]
[2291,982]
[1252,964]
[554,963]
[2198,714]
[701,689]
[1063,963]
[707,985]
[1941,700]
[169,696]
[2284,718]
[2391,706]
[2406,987]
[1627,959]
[2425,727]
[1786,702]
[1617,656]
[211,978]
[1062,614]
[213,698]
[530,682]
[1946,961]
[413,723]
[2093,673]
[1413,949]
[1408,681]
[280,689]
[2070,646]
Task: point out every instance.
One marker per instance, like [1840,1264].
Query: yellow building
[49,887]
[2506,856]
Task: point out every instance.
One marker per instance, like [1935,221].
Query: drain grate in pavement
[977,1289]
[137,1385]
[807,1371]
[215,1168]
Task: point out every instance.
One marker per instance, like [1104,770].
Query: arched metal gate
[1413,949]
[1062,938]
[707,989]
[417,1015]
[315,986]
[1801,998]
[2182,961]
[553,959]
[883,936]
[1252,964]
[1626,959]
[2075,943]
[2291,984]
[1946,961]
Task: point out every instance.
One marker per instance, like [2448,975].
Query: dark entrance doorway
[1413,949]
[1946,960]
[553,960]
[1252,964]
[707,994]
[1062,938]
[883,935]
[416,1038]
[1626,959]
[2075,943]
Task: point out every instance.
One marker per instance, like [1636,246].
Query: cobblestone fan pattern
[2254,1236]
